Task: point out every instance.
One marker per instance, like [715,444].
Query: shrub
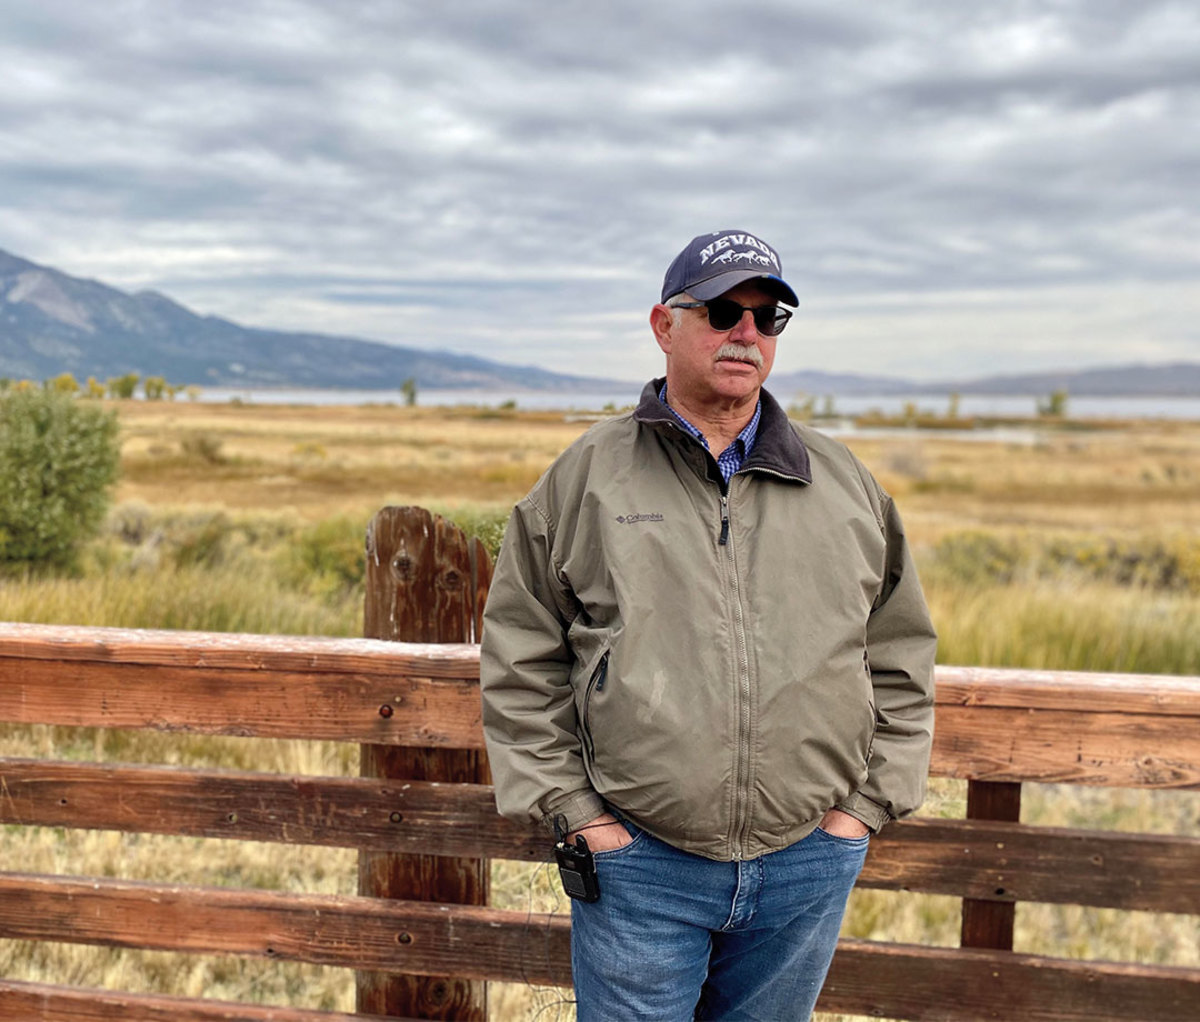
[64,383]
[202,447]
[1157,562]
[326,558]
[480,522]
[123,386]
[200,539]
[58,461]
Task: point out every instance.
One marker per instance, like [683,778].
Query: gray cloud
[944,180]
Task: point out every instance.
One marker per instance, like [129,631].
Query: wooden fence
[420,933]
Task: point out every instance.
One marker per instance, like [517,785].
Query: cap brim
[722,282]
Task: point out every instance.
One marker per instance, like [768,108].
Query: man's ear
[662,322]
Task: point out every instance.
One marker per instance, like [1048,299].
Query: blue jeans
[677,937]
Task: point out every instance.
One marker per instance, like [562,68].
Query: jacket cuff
[579,807]
[865,811]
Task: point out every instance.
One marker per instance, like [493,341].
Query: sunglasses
[724,314]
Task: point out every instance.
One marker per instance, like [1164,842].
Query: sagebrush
[59,459]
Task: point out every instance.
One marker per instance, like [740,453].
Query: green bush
[58,461]
[1157,562]
[201,539]
[326,557]
[202,447]
[480,522]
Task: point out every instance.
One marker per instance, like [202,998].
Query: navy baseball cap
[713,263]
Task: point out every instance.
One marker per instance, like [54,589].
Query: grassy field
[1068,548]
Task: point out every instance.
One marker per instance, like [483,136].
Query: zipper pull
[602,673]
[724,520]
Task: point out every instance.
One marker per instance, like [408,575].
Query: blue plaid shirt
[730,459]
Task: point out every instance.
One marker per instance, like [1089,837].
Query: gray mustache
[740,353]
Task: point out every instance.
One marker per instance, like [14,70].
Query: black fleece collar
[777,449]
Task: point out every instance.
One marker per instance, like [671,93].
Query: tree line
[154,388]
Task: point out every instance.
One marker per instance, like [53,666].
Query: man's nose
[745,331]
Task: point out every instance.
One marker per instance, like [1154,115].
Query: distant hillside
[52,323]
[1178,379]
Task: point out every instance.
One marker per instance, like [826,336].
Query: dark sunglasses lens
[723,314]
[771,320]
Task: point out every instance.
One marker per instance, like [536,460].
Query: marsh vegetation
[1060,548]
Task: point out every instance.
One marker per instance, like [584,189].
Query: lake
[847,405]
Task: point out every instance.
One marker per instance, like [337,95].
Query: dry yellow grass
[323,461]
[330,460]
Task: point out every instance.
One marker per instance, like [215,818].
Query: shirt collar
[745,438]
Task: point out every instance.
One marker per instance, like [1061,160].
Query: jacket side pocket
[595,684]
[874,710]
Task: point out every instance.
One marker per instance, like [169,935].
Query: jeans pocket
[849,842]
[635,834]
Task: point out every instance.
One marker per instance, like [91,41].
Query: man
[706,652]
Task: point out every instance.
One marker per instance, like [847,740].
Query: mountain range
[52,323]
[1174,379]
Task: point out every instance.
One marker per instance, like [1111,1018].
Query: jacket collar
[777,448]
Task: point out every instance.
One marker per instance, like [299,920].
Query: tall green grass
[223,599]
[208,570]
[1089,626]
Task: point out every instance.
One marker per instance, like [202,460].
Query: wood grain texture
[987,922]
[294,653]
[347,812]
[1007,862]
[1066,746]
[968,858]
[423,584]
[379,708]
[892,980]
[421,938]
[939,984]
[1092,692]
[41,1002]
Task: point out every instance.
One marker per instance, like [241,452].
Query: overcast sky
[955,188]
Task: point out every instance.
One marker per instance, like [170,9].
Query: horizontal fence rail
[418,937]
[349,690]
[915,982]
[44,1002]
[912,981]
[344,812]
[994,728]
[974,858]
[992,725]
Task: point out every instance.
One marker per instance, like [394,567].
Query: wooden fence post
[989,924]
[425,582]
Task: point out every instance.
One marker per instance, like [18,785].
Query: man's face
[715,367]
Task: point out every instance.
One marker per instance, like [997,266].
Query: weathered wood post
[989,924]
[425,582]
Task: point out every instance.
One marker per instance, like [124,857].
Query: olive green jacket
[722,667]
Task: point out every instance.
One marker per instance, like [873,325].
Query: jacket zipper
[595,684]
[874,709]
[741,818]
